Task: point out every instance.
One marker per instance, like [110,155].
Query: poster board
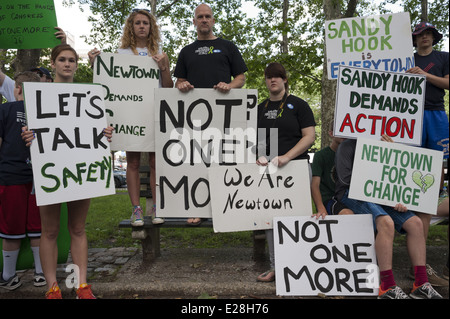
[71,158]
[334,256]
[398,174]
[129,82]
[379,42]
[372,103]
[27,24]
[194,131]
[254,195]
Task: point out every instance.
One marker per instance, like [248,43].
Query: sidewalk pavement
[119,273]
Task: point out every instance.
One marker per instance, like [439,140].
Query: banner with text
[194,131]
[71,158]
[254,195]
[129,82]
[381,42]
[398,174]
[372,103]
[332,256]
[27,24]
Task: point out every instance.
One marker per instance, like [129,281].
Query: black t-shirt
[15,168]
[435,63]
[204,63]
[289,121]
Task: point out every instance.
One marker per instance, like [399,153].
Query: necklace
[280,107]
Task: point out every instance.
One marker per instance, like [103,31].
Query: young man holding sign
[435,66]
[386,220]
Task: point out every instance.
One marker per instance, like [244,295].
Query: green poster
[27,24]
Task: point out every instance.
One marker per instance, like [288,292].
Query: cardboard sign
[254,195]
[194,131]
[381,42]
[372,103]
[71,158]
[129,82]
[331,256]
[27,24]
[398,174]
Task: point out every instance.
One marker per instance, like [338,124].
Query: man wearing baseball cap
[43,73]
[435,135]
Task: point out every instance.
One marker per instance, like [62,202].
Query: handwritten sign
[71,158]
[27,24]
[194,131]
[398,174]
[129,82]
[372,103]
[381,42]
[331,256]
[254,195]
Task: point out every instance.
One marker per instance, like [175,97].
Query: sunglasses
[136,10]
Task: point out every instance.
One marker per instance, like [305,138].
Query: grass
[106,213]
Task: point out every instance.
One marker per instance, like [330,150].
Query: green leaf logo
[424,182]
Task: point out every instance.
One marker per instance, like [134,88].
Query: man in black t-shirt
[209,62]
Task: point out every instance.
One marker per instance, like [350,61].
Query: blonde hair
[128,37]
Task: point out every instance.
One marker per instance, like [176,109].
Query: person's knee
[385,225]
[346,211]
[413,225]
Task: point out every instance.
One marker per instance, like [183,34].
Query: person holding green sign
[64,62]
[386,221]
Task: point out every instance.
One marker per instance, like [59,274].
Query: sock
[37,260]
[420,275]
[9,263]
[387,279]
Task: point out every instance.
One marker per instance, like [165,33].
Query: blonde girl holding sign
[64,62]
[141,37]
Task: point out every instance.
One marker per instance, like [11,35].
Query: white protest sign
[252,125]
[71,158]
[398,174]
[195,130]
[381,42]
[331,256]
[254,194]
[372,103]
[129,82]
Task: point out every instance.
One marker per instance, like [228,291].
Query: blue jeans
[376,210]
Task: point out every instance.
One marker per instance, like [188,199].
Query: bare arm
[440,82]
[308,137]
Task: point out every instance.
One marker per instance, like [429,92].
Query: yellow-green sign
[27,24]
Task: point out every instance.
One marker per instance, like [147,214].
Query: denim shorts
[376,210]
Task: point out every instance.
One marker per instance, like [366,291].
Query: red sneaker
[54,292]
[85,292]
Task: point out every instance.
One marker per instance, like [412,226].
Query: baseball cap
[43,71]
[422,26]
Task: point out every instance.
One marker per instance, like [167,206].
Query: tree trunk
[424,13]
[332,10]
[26,60]
[284,43]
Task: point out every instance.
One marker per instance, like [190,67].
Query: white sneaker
[137,218]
